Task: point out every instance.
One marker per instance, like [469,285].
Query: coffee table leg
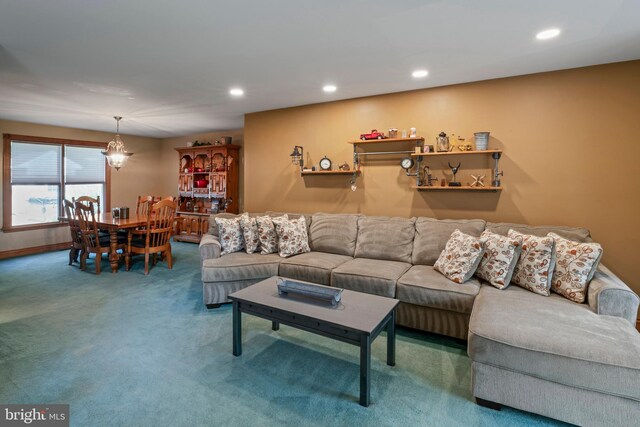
[275,325]
[365,369]
[391,340]
[237,330]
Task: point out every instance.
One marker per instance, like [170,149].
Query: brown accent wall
[571,154]
[139,176]
[169,161]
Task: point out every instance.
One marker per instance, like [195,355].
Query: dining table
[106,221]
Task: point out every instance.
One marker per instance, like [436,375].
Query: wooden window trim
[7,227]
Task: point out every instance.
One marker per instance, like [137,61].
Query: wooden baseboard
[34,250]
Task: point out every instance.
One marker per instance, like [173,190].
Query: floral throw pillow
[267,234]
[534,269]
[230,234]
[576,263]
[292,236]
[249,233]
[499,258]
[460,257]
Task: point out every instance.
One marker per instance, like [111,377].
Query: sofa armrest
[610,296]
[209,247]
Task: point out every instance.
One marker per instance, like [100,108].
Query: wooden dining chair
[88,201]
[155,237]
[77,245]
[93,242]
[142,206]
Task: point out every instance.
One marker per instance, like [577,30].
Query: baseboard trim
[34,250]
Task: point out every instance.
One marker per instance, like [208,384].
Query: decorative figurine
[412,133]
[393,132]
[478,181]
[344,167]
[442,142]
[373,135]
[454,171]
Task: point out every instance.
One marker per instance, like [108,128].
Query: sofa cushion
[240,266]
[535,264]
[422,285]
[312,267]
[432,235]
[460,257]
[267,234]
[213,226]
[334,233]
[556,340]
[230,233]
[385,238]
[576,263]
[292,236]
[369,275]
[249,233]
[573,233]
[499,258]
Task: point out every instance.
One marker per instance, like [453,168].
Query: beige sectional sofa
[578,363]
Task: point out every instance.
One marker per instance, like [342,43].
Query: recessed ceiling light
[420,73]
[329,88]
[548,34]
[236,92]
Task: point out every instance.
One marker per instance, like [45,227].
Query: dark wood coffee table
[358,319]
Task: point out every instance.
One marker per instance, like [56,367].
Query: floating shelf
[328,172]
[378,141]
[463,188]
[455,153]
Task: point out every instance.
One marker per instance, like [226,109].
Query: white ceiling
[167,66]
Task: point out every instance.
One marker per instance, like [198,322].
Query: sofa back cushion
[576,234]
[432,236]
[334,233]
[385,238]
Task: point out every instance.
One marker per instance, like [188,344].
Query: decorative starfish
[478,181]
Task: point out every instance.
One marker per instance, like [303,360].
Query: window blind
[35,163]
[83,165]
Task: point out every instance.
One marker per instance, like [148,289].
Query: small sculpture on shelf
[478,180]
[442,141]
[454,171]
[428,178]
[344,167]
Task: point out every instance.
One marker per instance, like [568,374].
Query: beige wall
[169,161]
[139,176]
[571,154]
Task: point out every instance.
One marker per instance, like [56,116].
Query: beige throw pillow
[230,234]
[499,258]
[292,236]
[575,266]
[249,233]
[460,257]
[534,269]
[267,234]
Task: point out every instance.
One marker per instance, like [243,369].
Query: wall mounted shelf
[378,141]
[463,188]
[303,173]
[455,153]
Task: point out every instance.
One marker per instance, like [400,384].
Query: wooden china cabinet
[207,183]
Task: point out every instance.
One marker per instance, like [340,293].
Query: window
[40,172]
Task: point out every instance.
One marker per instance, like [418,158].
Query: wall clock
[325,164]
[406,163]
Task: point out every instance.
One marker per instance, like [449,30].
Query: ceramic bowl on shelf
[201,183]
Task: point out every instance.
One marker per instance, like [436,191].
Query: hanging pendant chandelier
[115,153]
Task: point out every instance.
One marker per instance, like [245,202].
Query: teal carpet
[125,349]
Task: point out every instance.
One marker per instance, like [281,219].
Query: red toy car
[373,135]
